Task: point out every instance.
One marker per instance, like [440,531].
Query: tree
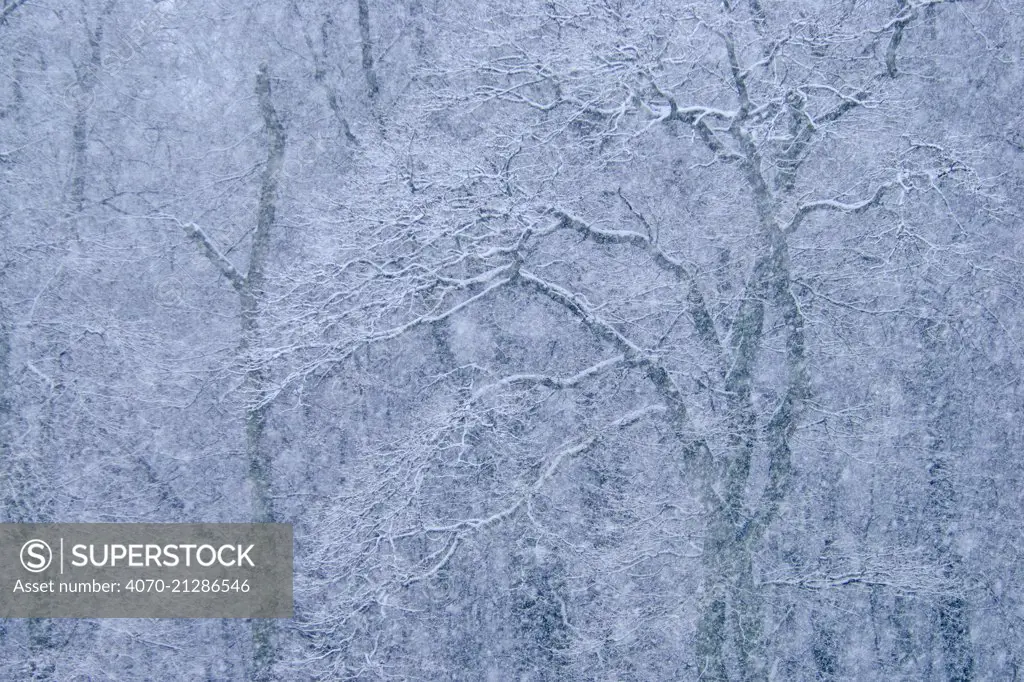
[783,95]
[578,340]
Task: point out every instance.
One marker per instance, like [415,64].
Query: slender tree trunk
[249,288]
[82,95]
[251,297]
[39,503]
[366,40]
[14,508]
[943,440]
[322,76]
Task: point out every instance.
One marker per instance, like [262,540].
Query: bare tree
[781,95]
[578,340]
[250,290]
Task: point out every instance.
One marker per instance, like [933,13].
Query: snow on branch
[457,531]
[551,381]
[702,319]
[905,579]
[805,210]
[601,236]
[196,234]
[493,282]
[634,355]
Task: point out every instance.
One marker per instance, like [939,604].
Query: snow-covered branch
[804,210]
[219,260]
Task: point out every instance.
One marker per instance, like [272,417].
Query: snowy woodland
[578,339]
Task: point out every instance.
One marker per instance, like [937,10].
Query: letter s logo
[36,556]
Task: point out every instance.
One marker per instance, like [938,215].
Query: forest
[577,339]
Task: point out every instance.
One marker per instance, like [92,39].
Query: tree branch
[196,234]
[458,530]
[9,10]
[634,355]
[702,320]
[805,210]
[558,383]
